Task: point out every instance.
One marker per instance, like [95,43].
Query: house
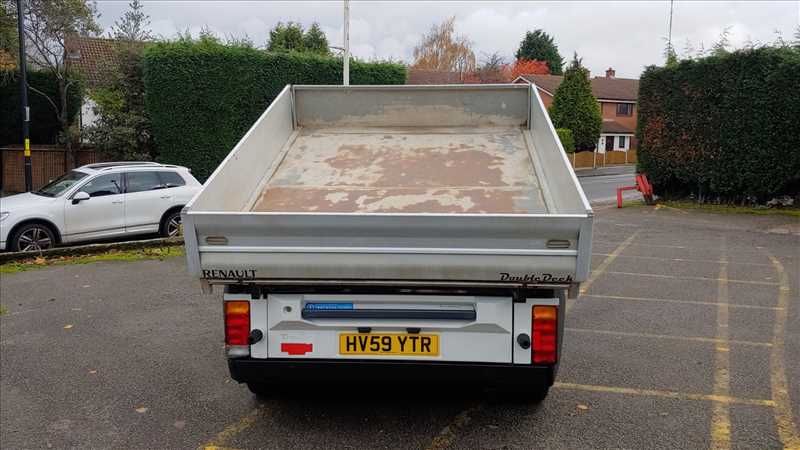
[94,59]
[617,98]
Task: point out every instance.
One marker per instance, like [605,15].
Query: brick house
[94,59]
[617,98]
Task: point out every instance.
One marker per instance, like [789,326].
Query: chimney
[610,73]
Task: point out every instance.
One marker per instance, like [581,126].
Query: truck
[407,233]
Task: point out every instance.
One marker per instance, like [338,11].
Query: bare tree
[134,25]
[441,49]
[47,25]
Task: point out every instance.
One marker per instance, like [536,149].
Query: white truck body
[396,212]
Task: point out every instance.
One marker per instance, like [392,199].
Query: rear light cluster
[544,322]
[237,327]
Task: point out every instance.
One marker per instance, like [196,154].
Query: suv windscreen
[61,184]
[142,181]
[110,184]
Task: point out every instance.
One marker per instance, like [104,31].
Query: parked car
[98,201]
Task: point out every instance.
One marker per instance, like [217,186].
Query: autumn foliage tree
[529,67]
[442,50]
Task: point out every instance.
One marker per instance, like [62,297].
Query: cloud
[626,35]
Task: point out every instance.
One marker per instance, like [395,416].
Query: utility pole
[346,75]
[23,98]
[669,32]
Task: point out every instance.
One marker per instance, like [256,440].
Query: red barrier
[642,185]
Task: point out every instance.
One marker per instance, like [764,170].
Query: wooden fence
[47,163]
[584,159]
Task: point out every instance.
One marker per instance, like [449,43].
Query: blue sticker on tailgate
[328,306]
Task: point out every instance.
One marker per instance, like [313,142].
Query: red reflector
[237,322]
[296,348]
[544,321]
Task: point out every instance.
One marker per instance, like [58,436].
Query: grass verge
[111,255]
[731,209]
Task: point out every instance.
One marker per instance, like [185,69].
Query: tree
[315,41]
[575,108]
[133,25]
[670,55]
[286,37]
[9,44]
[529,67]
[442,50]
[291,37]
[538,45]
[493,69]
[47,24]
[122,129]
[720,48]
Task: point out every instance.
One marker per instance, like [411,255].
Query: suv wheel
[171,226]
[33,237]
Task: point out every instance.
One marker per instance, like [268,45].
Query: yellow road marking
[664,394]
[689,260]
[666,336]
[607,262]
[448,435]
[675,277]
[787,430]
[683,302]
[720,428]
[229,432]
[641,244]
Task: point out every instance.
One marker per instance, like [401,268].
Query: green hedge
[567,141]
[203,96]
[44,122]
[723,128]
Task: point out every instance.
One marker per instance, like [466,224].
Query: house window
[622,140]
[624,109]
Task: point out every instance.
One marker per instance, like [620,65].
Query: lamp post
[23,99]
[346,74]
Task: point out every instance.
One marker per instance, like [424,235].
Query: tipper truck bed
[372,228]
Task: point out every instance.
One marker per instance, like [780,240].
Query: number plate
[400,344]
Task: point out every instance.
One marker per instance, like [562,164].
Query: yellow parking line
[664,394]
[449,433]
[787,430]
[229,432]
[666,336]
[689,260]
[607,262]
[682,302]
[720,428]
[641,244]
[675,277]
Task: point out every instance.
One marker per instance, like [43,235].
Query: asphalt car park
[687,335]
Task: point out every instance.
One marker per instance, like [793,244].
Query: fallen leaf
[40,261]
[582,407]
[92,372]
[87,285]
[141,410]
[180,424]
[67,327]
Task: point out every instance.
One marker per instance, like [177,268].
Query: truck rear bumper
[246,370]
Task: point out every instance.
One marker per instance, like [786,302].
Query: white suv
[97,201]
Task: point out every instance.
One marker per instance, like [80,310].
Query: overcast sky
[625,35]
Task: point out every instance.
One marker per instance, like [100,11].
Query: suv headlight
[3,215]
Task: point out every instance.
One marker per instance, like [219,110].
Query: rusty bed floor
[414,171]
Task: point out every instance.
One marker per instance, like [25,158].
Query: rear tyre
[33,237]
[171,225]
[261,390]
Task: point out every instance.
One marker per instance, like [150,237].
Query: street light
[23,99]
[346,74]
